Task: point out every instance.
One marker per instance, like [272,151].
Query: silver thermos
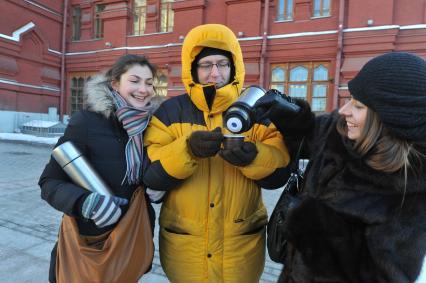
[79,169]
[240,115]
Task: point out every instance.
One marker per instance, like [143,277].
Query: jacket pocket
[174,231]
[249,225]
[255,230]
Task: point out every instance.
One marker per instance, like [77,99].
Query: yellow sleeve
[272,152]
[171,150]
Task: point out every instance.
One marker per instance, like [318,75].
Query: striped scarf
[134,121]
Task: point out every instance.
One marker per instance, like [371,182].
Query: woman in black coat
[361,216]
[125,91]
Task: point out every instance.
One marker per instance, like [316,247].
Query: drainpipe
[264,40]
[63,51]
[339,54]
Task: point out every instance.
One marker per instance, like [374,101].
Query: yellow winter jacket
[212,221]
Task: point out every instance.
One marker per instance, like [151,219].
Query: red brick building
[307,48]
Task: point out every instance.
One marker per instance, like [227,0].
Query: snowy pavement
[29,226]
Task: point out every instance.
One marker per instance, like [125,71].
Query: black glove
[103,210]
[241,155]
[275,106]
[205,143]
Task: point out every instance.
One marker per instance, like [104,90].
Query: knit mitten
[205,143]
[241,155]
[103,210]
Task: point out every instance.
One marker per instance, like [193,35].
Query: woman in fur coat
[109,134]
[361,215]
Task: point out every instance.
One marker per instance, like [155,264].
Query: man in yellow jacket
[212,221]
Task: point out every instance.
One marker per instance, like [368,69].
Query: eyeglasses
[207,67]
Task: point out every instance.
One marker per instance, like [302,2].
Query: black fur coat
[353,223]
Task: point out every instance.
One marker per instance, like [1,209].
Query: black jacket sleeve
[295,128]
[276,180]
[56,187]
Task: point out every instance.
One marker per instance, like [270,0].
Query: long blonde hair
[380,150]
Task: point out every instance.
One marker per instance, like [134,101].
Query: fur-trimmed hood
[98,100]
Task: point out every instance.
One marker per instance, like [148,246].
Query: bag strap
[295,173]
[294,167]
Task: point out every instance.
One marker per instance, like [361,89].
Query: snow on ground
[52,141]
[422,276]
[28,138]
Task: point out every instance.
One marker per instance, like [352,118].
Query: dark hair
[124,63]
[207,51]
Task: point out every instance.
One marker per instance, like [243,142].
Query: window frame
[161,86]
[80,102]
[98,24]
[310,82]
[141,20]
[166,9]
[286,15]
[321,8]
[76,23]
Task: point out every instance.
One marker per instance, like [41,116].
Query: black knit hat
[207,51]
[394,86]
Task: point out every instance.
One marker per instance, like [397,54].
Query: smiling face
[214,69]
[355,114]
[136,86]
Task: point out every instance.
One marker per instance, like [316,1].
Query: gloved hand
[154,195]
[103,210]
[275,106]
[240,155]
[205,143]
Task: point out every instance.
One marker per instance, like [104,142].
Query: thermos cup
[79,169]
[230,141]
[240,115]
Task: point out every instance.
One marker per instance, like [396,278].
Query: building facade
[305,48]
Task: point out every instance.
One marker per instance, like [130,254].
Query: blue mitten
[103,210]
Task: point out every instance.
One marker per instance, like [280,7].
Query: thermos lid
[65,153]
[234,124]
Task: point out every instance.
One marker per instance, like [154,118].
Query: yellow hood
[215,36]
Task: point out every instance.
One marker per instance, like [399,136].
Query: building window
[98,27]
[139,17]
[285,10]
[167,16]
[76,23]
[78,81]
[160,82]
[308,81]
[77,101]
[319,88]
[298,84]
[321,8]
